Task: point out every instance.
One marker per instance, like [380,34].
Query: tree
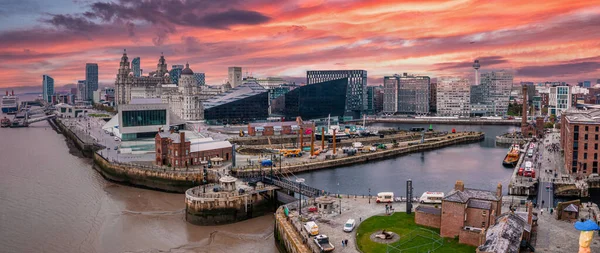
[515,109]
[548,125]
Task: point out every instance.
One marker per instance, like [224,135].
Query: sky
[538,41]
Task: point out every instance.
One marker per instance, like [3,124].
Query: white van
[432,197]
[349,225]
[385,197]
[311,228]
[528,165]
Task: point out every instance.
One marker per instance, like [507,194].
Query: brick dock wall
[363,158]
[164,180]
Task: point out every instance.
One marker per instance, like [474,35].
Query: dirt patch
[394,238]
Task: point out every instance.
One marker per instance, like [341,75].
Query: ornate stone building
[183,100]
[126,81]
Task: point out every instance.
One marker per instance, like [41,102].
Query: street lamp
[300,181]
[369,195]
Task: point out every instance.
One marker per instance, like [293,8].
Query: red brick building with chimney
[173,149]
[465,213]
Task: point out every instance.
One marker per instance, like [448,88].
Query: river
[51,200]
[478,165]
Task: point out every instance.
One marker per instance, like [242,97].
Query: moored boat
[512,157]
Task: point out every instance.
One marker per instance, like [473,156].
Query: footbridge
[286,184]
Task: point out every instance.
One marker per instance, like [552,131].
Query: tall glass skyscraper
[200,78]
[175,73]
[135,63]
[356,93]
[91,79]
[47,88]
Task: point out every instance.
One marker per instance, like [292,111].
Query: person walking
[346,242]
[542,211]
[342,243]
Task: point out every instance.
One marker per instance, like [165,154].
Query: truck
[323,242]
[291,152]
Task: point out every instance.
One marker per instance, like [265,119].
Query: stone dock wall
[363,158]
[218,208]
[87,149]
[164,180]
[286,235]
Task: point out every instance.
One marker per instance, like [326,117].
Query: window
[144,118]
[576,136]
[575,145]
[586,128]
[585,146]
[575,154]
[595,156]
[595,167]
[584,155]
[576,128]
[596,146]
[176,153]
[585,137]
[176,162]
[187,152]
[597,128]
[596,138]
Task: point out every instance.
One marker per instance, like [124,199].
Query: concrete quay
[469,121]
[308,165]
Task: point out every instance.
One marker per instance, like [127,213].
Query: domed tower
[192,107]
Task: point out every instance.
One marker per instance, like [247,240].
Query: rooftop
[429,210]
[505,235]
[245,90]
[479,204]
[571,208]
[589,114]
[464,196]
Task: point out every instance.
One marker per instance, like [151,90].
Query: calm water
[479,165]
[53,201]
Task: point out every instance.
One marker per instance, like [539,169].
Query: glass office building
[142,118]
[317,100]
[245,103]
[356,92]
[47,88]
[136,65]
[91,79]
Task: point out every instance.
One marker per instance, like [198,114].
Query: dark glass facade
[312,101]
[356,92]
[144,118]
[240,111]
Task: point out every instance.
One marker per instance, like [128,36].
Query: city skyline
[553,41]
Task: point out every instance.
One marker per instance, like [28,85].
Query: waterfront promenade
[466,121]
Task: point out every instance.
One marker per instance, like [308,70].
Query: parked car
[323,242]
[349,225]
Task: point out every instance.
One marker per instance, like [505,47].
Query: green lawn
[402,224]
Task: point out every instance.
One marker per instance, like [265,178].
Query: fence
[436,241]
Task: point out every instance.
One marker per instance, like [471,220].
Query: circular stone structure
[228,183]
[394,238]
